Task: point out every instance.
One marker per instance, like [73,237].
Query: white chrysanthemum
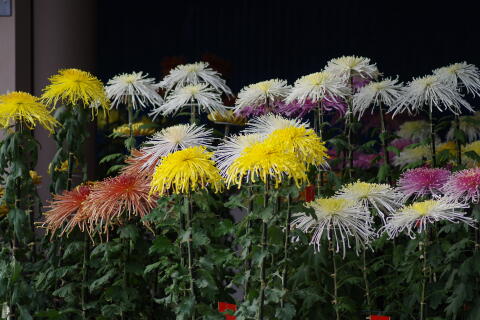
[429,92]
[415,218]
[194,73]
[339,219]
[173,139]
[262,92]
[416,131]
[470,125]
[350,66]
[136,87]
[266,124]
[318,86]
[410,155]
[375,94]
[228,151]
[461,75]
[382,197]
[199,94]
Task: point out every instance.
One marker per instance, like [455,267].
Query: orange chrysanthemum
[119,197]
[67,211]
[136,164]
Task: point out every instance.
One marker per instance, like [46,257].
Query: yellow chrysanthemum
[186,171]
[475,147]
[303,142]
[227,117]
[450,146]
[22,106]
[75,87]
[266,161]
[36,178]
[138,130]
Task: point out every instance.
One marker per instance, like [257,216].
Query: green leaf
[111,157]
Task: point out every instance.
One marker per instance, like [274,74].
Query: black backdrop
[259,40]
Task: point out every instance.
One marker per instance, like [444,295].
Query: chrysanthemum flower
[471,147]
[464,186]
[416,217]
[36,178]
[186,171]
[138,129]
[200,95]
[382,197]
[194,73]
[227,117]
[422,181]
[417,131]
[262,95]
[429,92]
[136,164]
[23,107]
[340,219]
[120,197]
[136,87]
[232,148]
[266,124]
[266,162]
[376,94]
[74,87]
[303,142]
[364,160]
[410,155]
[449,146]
[470,125]
[461,75]
[353,68]
[317,88]
[173,139]
[401,143]
[66,211]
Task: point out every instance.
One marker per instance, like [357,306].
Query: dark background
[252,41]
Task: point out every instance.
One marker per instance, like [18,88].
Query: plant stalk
[189,250]
[458,142]
[365,278]
[262,263]
[334,277]
[193,115]
[247,260]
[432,138]
[285,248]
[384,143]
[84,274]
[425,276]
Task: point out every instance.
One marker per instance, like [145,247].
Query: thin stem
[84,274]
[319,116]
[334,277]
[459,143]
[70,170]
[227,130]
[423,250]
[193,116]
[262,262]
[247,260]
[384,143]
[365,278]
[285,247]
[432,137]
[189,250]
[130,144]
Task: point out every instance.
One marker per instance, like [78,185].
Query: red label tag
[223,306]
[380,318]
[310,193]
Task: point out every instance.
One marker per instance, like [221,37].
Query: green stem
[432,137]
[70,170]
[365,278]
[384,143]
[285,248]
[131,142]
[247,265]
[193,116]
[227,130]
[319,118]
[84,274]
[425,275]
[334,277]
[189,250]
[459,143]
[263,283]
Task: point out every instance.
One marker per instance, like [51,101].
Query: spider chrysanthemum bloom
[227,117]
[411,155]
[194,73]
[75,87]
[423,181]
[25,108]
[201,95]
[464,186]
[470,125]
[416,131]
[66,211]
[318,87]
[231,149]
[416,217]
[136,164]
[134,88]
[376,94]
[262,95]
[449,146]
[461,75]
[266,162]
[353,68]
[138,129]
[173,139]
[266,124]
[470,160]
[382,197]
[429,92]
[340,219]
[117,199]
[186,171]
[303,142]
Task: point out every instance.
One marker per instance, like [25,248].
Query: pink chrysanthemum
[115,200]
[259,110]
[363,160]
[464,185]
[66,211]
[298,109]
[423,181]
[137,164]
